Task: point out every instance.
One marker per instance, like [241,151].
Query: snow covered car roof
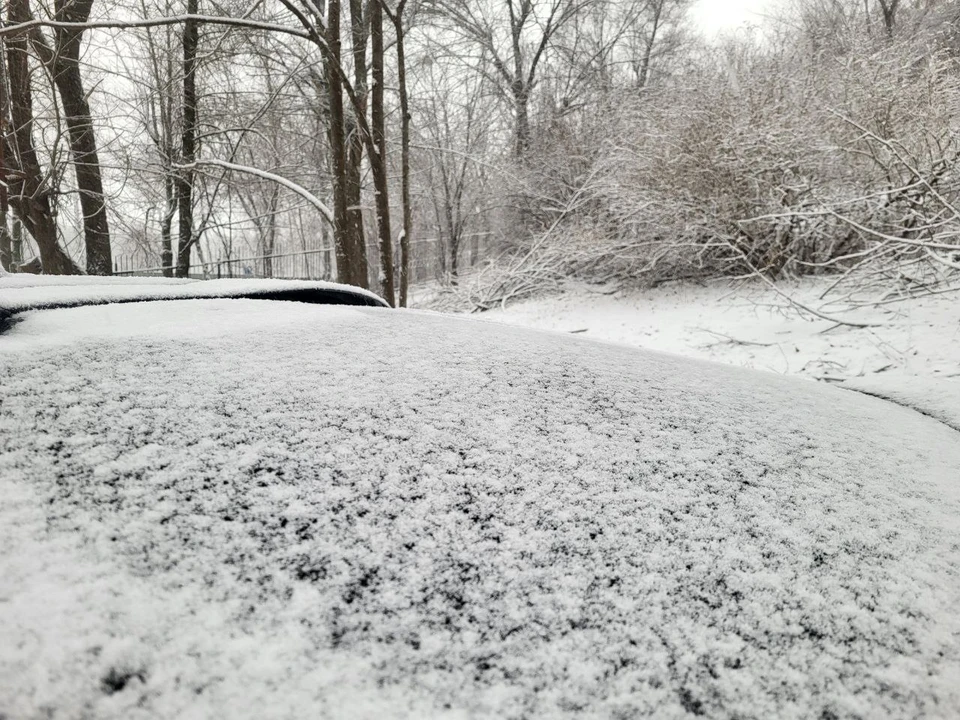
[238,508]
[24,292]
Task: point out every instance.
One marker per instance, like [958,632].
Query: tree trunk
[6,246]
[16,248]
[30,195]
[166,226]
[346,270]
[454,257]
[441,242]
[378,164]
[65,68]
[521,104]
[188,142]
[889,10]
[356,239]
[518,88]
[404,155]
[643,77]
[268,234]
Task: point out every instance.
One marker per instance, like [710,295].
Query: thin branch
[30,25]
[273,177]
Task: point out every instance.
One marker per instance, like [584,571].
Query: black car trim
[310,296]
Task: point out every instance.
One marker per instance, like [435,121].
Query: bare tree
[513,46]
[379,154]
[325,35]
[456,144]
[62,59]
[6,240]
[161,104]
[188,141]
[355,238]
[31,192]
[889,10]
[397,18]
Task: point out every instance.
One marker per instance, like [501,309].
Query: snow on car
[228,507]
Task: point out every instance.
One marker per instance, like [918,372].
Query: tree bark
[404,156]
[30,193]
[16,249]
[404,276]
[338,83]
[454,257]
[521,104]
[267,231]
[346,267]
[166,225]
[6,246]
[889,9]
[378,163]
[519,87]
[65,68]
[643,77]
[356,239]
[188,142]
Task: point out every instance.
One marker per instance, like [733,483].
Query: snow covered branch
[265,175]
[26,27]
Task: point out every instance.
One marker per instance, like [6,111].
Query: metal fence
[305,265]
[321,264]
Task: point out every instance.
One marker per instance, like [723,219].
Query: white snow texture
[247,509]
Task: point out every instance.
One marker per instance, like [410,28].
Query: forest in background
[511,143]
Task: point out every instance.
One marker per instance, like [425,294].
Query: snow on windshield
[248,509]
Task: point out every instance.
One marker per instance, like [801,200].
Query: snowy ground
[751,326]
[910,354]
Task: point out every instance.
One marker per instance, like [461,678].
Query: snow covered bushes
[783,157]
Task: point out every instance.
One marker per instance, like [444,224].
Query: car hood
[241,508]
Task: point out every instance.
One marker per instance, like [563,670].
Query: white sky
[715,16]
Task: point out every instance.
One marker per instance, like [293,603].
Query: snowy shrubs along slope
[234,508]
[816,149]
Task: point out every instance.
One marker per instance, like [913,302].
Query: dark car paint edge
[310,296]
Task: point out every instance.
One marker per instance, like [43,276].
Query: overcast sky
[715,16]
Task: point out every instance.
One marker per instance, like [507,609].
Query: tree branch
[30,25]
[256,172]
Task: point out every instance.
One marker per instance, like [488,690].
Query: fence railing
[305,265]
[313,264]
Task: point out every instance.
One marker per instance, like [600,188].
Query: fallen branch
[733,340]
[793,301]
